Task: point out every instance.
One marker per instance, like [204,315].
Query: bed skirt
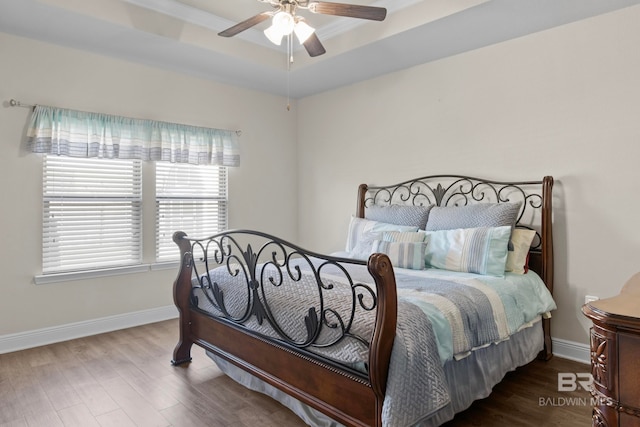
[473,378]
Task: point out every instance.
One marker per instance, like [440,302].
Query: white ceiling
[181,35]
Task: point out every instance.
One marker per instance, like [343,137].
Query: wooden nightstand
[615,357]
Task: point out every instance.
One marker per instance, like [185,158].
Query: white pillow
[473,250]
[359,226]
[362,250]
[517,258]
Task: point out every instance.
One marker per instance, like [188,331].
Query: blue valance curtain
[82,134]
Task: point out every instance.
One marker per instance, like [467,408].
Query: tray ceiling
[181,35]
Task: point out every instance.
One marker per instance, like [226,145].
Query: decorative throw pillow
[403,236]
[473,216]
[363,246]
[517,258]
[402,254]
[358,226]
[480,250]
[416,216]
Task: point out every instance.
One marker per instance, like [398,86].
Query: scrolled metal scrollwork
[464,191]
[441,190]
[262,289]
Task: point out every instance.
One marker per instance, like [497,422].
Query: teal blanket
[469,311]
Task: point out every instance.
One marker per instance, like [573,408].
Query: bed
[444,285]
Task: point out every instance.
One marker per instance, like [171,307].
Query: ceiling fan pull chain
[289,64]
[291,48]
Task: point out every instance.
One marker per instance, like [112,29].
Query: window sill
[166,265]
[44,279]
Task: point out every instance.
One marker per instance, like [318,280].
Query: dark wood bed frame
[291,367]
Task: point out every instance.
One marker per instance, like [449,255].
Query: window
[92,214]
[189,198]
[92,188]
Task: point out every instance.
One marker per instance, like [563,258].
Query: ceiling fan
[286,21]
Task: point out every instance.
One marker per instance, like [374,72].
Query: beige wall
[35,72]
[564,102]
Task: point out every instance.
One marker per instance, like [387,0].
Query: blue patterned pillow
[473,216]
[472,250]
[402,254]
[415,216]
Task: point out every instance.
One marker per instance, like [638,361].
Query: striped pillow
[403,236]
[472,250]
[360,226]
[402,254]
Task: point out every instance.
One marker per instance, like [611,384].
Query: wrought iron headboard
[457,190]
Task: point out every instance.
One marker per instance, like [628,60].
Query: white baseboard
[571,350]
[8,343]
[36,338]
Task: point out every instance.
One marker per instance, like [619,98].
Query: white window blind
[189,198]
[92,213]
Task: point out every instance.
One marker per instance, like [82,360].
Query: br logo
[568,381]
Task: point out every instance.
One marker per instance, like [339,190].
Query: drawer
[627,420]
[629,370]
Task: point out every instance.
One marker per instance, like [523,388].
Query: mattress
[466,311]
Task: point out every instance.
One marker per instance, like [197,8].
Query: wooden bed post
[181,295]
[547,257]
[362,192]
[379,266]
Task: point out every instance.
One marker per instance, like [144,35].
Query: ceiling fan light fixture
[303,31]
[283,24]
[274,35]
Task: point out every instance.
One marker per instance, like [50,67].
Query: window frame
[149,195]
[89,184]
[190,188]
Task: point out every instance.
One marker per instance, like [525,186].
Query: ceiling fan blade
[313,46]
[245,25]
[349,10]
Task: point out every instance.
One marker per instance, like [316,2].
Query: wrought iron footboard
[278,291]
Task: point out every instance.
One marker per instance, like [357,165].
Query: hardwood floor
[124,379]
[529,396]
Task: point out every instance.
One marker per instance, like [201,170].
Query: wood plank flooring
[124,379]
